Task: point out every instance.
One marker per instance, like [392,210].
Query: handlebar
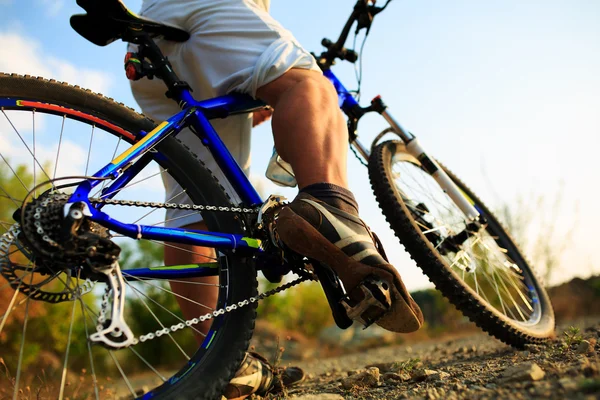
[363,14]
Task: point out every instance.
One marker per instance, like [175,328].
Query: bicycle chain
[216,313]
[175,206]
[208,316]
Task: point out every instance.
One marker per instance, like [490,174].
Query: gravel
[472,367]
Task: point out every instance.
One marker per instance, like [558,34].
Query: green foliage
[406,366]
[303,309]
[572,336]
[590,385]
[142,254]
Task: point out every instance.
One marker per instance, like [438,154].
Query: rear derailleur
[62,238]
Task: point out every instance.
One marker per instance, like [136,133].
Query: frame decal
[140,143]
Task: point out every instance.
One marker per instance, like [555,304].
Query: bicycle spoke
[64,373]
[10,308]
[162,378]
[155,209]
[25,144]
[160,323]
[89,347]
[194,283]
[19,363]
[62,129]
[34,158]
[184,250]
[518,309]
[174,219]
[14,173]
[499,294]
[95,315]
[131,184]
[520,294]
[87,162]
[166,309]
[112,355]
[167,291]
[8,196]
[113,157]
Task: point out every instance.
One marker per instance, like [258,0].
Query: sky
[506,94]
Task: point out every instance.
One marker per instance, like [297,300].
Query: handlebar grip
[343,53]
[350,55]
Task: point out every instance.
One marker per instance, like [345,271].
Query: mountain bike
[66,234]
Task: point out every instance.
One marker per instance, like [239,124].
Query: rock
[568,383]
[393,376]
[525,353]
[533,348]
[370,378]
[421,374]
[432,394]
[322,396]
[384,367]
[441,376]
[584,347]
[523,372]
[590,370]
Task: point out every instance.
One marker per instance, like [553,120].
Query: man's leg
[308,126]
[322,222]
[196,296]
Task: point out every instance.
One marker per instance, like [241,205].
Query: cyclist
[236,45]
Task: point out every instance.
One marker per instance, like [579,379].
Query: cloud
[23,55]
[53,7]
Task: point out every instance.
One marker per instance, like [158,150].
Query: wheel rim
[486,262]
[40,142]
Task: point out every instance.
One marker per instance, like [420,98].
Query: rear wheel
[483,273]
[48,130]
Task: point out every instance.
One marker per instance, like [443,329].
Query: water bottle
[280,172]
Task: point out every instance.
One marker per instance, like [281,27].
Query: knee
[309,85]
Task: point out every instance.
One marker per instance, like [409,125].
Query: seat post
[161,67]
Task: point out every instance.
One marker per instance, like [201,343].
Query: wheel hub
[60,240]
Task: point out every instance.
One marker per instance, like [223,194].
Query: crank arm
[334,293]
[117,334]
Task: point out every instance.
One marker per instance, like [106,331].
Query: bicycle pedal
[368,301]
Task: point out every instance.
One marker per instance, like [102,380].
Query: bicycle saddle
[109,20]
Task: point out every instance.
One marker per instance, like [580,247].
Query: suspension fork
[429,164]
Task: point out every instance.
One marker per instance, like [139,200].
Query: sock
[333,195]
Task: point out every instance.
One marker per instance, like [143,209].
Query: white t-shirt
[263,3]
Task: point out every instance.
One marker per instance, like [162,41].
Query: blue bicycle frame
[124,168]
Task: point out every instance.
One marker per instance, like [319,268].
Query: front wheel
[482,272]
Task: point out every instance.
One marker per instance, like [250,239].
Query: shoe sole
[304,239]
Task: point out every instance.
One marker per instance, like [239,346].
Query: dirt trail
[474,367]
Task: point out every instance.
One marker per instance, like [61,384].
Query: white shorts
[235,45]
